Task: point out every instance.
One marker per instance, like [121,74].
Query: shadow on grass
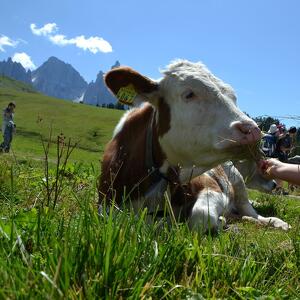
[28,134]
[36,135]
[94,133]
[8,95]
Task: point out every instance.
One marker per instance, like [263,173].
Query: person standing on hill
[8,126]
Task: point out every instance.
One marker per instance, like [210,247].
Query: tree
[264,122]
[119,106]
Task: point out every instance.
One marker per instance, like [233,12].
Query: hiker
[272,148]
[8,126]
[269,141]
[275,169]
[285,144]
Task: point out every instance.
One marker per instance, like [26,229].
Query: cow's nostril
[246,128]
[243,128]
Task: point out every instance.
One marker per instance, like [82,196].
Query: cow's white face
[204,118]
[197,115]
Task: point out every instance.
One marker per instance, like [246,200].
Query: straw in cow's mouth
[252,152]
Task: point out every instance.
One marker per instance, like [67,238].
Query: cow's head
[198,120]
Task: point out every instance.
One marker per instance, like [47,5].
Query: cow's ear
[130,87]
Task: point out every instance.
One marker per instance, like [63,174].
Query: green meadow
[38,117]
[54,244]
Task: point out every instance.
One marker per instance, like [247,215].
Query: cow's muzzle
[245,133]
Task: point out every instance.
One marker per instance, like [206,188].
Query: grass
[15,85]
[56,245]
[71,251]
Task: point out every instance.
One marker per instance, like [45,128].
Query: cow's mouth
[251,151]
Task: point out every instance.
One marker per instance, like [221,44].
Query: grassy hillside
[9,83]
[37,115]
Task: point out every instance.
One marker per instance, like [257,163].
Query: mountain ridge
[59,79]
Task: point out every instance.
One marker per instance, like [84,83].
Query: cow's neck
[155,159]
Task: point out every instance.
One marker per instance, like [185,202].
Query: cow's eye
[188,95]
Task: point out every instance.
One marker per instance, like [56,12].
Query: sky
[252,45]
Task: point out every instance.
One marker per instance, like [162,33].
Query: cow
[182,126]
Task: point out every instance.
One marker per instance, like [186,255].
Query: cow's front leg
[245,209]
[207,210]
[270,221]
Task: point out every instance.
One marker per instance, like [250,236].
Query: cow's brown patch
[199,183]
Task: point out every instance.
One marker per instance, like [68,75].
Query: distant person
[8,126]
[271,146]
[275,169]
[286,143]
[281,128]
[269,141]
[295,159]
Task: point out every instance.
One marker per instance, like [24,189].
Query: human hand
[267,167]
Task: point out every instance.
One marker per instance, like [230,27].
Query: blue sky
[253,45]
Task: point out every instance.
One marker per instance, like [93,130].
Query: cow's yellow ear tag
[126,94]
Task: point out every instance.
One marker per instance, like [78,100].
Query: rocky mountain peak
[15,70]
[116,65]
[97,92]
[58,79]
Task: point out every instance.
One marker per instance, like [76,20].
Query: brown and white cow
[189,118]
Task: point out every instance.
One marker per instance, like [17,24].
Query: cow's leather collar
[159,180]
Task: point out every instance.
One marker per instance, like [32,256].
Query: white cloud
[59,39]
[24,59]
[45,30]
[93,44]
[7,42]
